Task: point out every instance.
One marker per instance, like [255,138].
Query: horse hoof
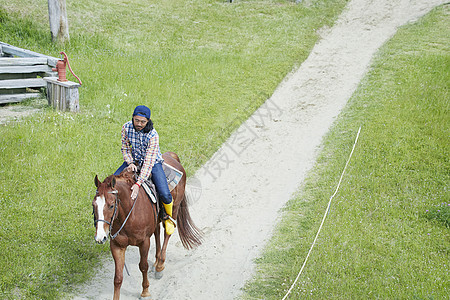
[158,275]
[145,295]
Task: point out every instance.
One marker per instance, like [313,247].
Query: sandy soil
[237,195]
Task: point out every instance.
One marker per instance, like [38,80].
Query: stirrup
[173,221]
[166,217]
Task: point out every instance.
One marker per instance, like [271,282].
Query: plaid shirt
[141,149]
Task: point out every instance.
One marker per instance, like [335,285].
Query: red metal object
[61,68]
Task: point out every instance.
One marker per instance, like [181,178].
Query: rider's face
[139,122]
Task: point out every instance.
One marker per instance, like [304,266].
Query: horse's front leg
[143,266]
[118,254]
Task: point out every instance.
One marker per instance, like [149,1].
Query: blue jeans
[159,180]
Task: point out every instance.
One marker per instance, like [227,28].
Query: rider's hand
[134,191]
[132,167]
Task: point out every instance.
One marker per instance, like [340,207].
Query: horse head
[105,207]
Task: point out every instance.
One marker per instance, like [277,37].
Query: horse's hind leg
[143,266]
[162,257]
[157,235]
[163,250]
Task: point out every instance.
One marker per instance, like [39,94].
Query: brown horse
[132,223]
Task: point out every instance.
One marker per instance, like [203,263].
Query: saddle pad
[173,175]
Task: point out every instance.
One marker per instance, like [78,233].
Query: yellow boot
[170,227]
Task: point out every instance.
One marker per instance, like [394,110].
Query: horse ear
[113,181]
[97,182]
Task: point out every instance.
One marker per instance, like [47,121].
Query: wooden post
[57,15]
[63,95]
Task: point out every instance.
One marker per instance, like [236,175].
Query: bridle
[117,200]
[110,223]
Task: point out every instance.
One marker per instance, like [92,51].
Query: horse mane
[125,176]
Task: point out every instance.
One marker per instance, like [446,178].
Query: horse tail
[190,235]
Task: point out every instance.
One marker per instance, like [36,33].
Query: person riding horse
[140,149]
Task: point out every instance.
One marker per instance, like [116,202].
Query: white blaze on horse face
[100,236]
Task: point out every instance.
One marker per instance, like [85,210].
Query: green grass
[387,233]
[199,65]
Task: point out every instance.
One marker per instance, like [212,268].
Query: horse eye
[111,206]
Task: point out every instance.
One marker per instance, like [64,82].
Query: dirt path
[238,193]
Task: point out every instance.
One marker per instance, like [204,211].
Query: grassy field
[199,65]
[387,233]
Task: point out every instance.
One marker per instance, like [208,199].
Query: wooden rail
[28,61]
[22,83]
[9,50]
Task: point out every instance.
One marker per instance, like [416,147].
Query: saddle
[150,190]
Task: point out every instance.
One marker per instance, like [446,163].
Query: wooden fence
[24,73]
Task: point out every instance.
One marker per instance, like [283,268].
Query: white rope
[324,217]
